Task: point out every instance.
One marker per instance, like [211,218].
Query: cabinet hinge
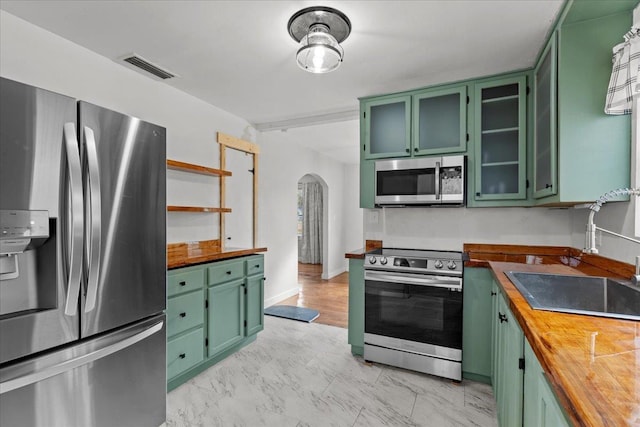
[364,147]
[206,303]
[521,363]
[528,90]
[527,183]
[245,323]
[364,115]
[245,290]
[467,99]
[467,137]
[206,342]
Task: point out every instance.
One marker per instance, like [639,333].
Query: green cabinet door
[440,121]
[387,127]
[510,375]
[476,324]
[226,316]
[500,135]
[356,306]
[495,321]
[254,303]
[545,174]
[541,407]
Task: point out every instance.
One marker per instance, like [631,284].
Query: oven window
[415,313]
[406,182]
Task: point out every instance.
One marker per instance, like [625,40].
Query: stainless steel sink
[596,296]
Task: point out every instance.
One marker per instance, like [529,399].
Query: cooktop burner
[415,261]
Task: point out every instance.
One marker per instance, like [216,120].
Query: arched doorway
[312,216]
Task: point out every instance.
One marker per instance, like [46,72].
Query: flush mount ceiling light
[319,30]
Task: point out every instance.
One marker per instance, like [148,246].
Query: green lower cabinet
[510,373]
[356,306]
[541,408]
[254,305]
[226,316]
[494,336]
[476,324]
[213,310]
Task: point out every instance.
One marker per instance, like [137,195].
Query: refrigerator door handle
[95,231]
[77,219]
[40,374]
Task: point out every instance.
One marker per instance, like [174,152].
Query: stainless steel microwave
[421,181]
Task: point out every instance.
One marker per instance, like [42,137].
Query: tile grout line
[359,412]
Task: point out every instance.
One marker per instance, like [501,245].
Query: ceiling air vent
[134,60]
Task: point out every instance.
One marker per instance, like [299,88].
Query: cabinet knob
[415,149]
[257,266]
[183,283]
[548,186]
[182,355]
[183,314]
[478,194]
[407,150]
[228,272]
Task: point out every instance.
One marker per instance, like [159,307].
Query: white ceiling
[238,55]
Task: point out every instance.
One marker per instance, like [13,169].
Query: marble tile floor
[298,374]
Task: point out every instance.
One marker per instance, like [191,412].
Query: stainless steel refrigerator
[82,263]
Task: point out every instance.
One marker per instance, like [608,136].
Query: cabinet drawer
[254,265]
[184,281]
[184,352]
[184,312]
[224,271]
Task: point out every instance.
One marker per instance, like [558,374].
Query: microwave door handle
[75,211]
[437,180]
[95,229]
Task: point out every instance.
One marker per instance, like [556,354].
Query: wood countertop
[185,254]
[593,363]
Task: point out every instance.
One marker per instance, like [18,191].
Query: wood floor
[329,297]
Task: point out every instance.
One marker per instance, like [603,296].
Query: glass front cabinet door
[440,121]
[544,168]
[387,127]
[501,137]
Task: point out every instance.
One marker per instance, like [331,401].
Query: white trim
[334,273]
[341,116]
[281,296]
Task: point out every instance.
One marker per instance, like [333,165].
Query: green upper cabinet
[593,149]
[500,137]
[439,121]
[544,146]
[387,127]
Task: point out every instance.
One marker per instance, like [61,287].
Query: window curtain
[310,250]
[624,74]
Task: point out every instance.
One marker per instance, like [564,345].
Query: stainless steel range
[413,310]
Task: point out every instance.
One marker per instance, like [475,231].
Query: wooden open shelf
[197,209]
[190,167]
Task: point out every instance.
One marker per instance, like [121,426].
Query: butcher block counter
[184,254]
[592,363]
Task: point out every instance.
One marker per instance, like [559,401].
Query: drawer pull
[228,272]
[183,314]
[182,355]
[183,283]
[257,266]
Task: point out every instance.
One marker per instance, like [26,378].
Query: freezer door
[116,380]
[40,183]
[124,163]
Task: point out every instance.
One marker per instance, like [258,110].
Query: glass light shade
[319,52]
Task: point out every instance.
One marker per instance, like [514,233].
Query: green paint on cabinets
[476,324]
[356,306]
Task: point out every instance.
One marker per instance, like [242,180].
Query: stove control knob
[383,260]
[372,260]
[451,265]
[438,264]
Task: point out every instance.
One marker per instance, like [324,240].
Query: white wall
[37,57]
[449,228]
[282,164]
[353,215]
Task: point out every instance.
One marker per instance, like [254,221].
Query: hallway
[329,297]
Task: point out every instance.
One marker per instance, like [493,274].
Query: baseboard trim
[283,295]
[334,273]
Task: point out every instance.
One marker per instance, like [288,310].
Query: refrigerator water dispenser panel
[20,231]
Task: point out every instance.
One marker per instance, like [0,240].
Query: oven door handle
[432,281]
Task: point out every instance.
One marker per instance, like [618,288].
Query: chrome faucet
[590,238]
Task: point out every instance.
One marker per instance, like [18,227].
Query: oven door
[414,312]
